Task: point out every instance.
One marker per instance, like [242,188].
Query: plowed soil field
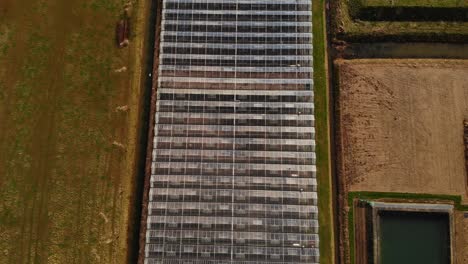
[400,129]
[401,125]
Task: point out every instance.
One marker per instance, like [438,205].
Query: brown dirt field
[401,125]
[461,238]
[399,128]
[361,234]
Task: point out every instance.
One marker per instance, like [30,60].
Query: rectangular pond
[414,237]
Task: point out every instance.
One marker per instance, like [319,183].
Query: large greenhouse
[233,178]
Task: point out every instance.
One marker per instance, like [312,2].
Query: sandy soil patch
[460,238]
[401,125]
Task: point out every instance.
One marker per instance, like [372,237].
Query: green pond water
[414,238]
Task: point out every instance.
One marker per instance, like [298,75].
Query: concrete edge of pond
[378,207]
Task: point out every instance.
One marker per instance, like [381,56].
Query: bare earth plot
[402,125]
[461,239]
[401,129]
[65,187]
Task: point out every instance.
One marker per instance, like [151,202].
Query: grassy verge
[321,90]
[456,200]
[348,27]
[141,63]
[413,3]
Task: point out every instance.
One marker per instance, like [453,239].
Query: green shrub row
[349,27]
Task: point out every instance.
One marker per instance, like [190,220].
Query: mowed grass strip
[321,91]
[414,3]
[66,157]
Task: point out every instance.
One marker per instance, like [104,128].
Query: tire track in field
[44,91]
[74,173]
[12,75]
[45,134]
[14,139]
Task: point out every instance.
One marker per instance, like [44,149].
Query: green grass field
[66,155]
[321,91]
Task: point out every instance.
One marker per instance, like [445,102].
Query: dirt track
[401,125]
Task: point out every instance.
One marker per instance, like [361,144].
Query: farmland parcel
[69,111]
[400,137]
